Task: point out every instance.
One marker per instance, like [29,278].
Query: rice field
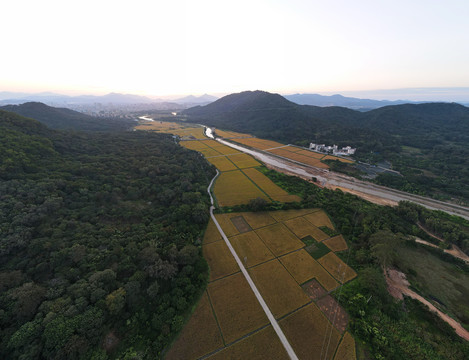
[211,233]
[234,188]
[302,228]
[279,239]
[283,215]
[308,330]
[346,349]
[225,222]
[336,243]
[320,218]
[257,143]
[303,268]
[258,219]
[251,249]
[280,291]
[243,161]
[262,345]
[195,340]
[270,188]
[230,134]
[222,163]
[219,259]
[236,308]
[337,268]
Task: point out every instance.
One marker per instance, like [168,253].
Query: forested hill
[428,143]
[66,119]
[99,236]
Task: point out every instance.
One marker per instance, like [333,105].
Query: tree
[383,247]
[115,301]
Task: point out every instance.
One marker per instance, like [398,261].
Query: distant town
[334,149]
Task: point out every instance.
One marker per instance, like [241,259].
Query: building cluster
[334,150]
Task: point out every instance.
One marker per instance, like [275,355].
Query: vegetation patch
[251,249]
[200,335]
[337,268]
[310,333]
[279,239]
[219,259]
[316,249]
[264,344]
[237,310]
[279,290]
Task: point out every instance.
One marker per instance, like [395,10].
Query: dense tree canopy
[99,238]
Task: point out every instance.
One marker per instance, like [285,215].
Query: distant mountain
[66,119]
[57,99]
[339,100]
[191,99]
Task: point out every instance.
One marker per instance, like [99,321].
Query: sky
[158,48]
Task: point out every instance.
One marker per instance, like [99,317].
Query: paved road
[258,295]
[361,188]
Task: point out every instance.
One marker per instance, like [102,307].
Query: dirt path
[398,286]
[429,233]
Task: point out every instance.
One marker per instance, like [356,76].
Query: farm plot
[334,312]
[270,188]
[226,224]
[330,157]
[230,134]
[194,145]
[283,215]
[208,152]
[199,337]
[301,228]
[264,344]
[337,268]
[258,219]
[303,267]
[251,249]
[234,188]
[336,243]
[244,161]
[237,310]
[279,290]
[220,260]
[307,330]
[311,154]
[346,349]
[258,143]
[222,163]
[211,233]
[279,239]
[319,218]
[225,150]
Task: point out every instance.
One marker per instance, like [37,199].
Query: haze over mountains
[111,98]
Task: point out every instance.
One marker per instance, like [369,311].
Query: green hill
[66,119]
[428,143]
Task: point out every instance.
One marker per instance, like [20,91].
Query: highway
[369,191]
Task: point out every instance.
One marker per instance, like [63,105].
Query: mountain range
[339,100]
[111,98]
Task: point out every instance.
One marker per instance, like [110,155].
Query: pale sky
[201,46]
